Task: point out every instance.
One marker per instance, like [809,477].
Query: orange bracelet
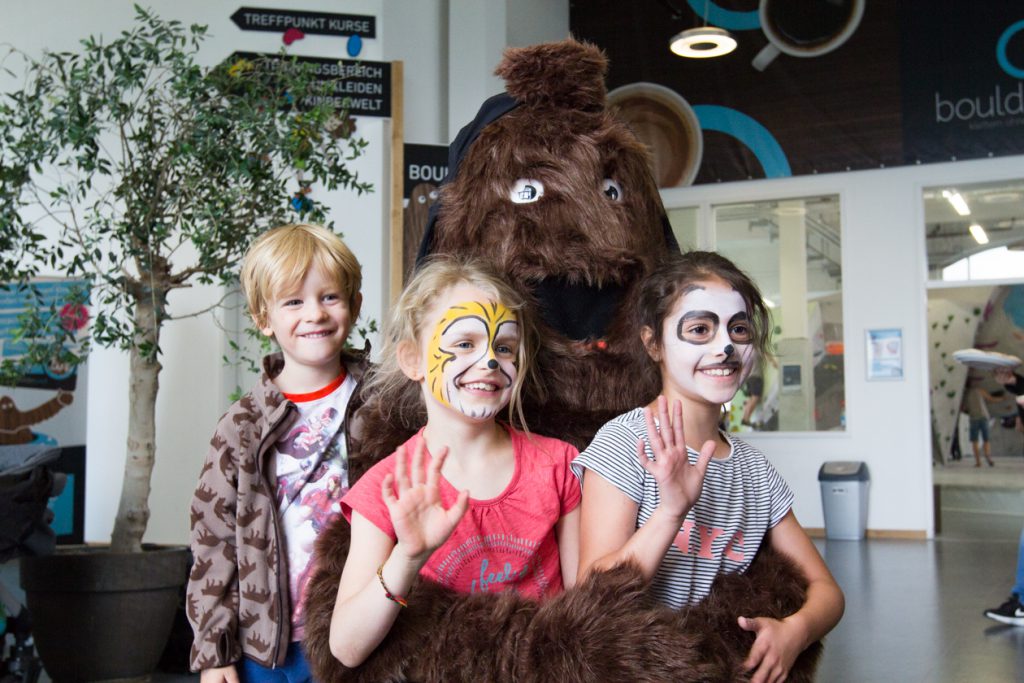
[388,594]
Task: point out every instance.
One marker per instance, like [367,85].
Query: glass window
[975,300]
[793,251]
[975,231]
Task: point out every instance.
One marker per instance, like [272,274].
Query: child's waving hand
[411,494]
[679,482]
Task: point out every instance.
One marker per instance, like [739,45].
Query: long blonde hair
[398,397]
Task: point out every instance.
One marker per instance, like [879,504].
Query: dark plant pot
[98,615]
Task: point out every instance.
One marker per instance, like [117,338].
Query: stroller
[26,484]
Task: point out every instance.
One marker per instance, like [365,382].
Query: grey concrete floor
[914,612]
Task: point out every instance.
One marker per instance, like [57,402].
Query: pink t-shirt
[505,542]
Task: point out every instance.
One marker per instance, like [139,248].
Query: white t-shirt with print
[312,476]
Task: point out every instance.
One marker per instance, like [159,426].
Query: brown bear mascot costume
[557,193]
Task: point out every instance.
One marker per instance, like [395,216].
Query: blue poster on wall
[63,317]
[45,410]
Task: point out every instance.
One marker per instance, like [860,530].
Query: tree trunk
[133,510]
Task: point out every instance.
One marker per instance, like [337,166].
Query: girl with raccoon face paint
[663,485]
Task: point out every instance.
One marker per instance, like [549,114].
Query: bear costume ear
[564,75]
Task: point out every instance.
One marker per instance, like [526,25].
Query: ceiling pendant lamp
[701,43]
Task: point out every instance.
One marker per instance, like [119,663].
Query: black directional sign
[361,86]
[318,23]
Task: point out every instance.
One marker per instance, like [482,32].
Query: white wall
[416,33]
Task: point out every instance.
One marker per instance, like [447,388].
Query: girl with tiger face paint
[472,501]
[472,357]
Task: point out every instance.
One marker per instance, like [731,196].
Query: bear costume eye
[611,190]
[526,191]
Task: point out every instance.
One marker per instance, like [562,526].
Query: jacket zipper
[277,539]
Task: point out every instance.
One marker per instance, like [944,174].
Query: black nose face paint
[492,364]
[728,350]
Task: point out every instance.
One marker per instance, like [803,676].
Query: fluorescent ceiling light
[978,233]
[1001,197]
[768,302]
[957,201]
[700,43]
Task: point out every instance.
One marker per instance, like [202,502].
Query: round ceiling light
[704,42]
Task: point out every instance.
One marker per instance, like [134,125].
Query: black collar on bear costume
[493,108]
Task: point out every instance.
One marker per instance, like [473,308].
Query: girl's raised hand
[679,482]
[413,500]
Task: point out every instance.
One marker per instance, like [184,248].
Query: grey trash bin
[844,498]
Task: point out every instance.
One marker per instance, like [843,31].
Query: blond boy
[277,464]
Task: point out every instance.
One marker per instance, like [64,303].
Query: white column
[476,37]
[796,400]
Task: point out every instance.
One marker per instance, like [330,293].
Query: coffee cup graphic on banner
[805,29]
[664,121]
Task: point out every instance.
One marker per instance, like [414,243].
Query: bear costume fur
[606,628]
[595,228]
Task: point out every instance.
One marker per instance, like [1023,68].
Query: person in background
[975,406]
[1014,383]
[277,465]
[754,389]
[1012,610]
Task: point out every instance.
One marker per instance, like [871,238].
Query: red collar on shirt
[319,393]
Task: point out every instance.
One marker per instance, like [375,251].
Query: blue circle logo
[1004,40]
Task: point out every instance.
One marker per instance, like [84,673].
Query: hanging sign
[360,86]
[425,167]
[313,23]
[424,164]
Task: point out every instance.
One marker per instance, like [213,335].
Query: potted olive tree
[130,166]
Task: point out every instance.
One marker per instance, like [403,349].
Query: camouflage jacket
[238,601]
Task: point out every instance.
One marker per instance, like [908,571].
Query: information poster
[46,409]
[885,354]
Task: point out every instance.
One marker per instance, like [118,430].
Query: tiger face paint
[472,360]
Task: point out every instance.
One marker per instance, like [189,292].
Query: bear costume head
[558,195]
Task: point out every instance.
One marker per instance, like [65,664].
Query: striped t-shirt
[743,497]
